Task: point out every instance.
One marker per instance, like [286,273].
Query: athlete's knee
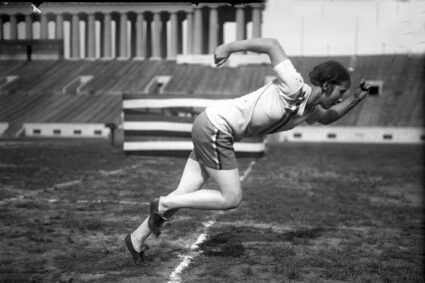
[233,200]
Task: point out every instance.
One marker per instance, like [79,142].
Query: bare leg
[193,178]
[229,196]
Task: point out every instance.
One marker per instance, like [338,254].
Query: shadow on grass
[228,241]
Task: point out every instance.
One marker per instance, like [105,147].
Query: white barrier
[300,134]
[148,131]
[66,130]
[351,135]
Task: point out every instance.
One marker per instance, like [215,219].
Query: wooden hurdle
[161,125]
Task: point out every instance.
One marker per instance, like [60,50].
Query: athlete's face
[333,93]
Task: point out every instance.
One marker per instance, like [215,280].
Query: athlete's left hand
[363,90]
[221,54]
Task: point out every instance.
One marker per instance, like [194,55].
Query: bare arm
[260,45]
[339,110]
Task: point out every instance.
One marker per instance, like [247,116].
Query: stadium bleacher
[36,95]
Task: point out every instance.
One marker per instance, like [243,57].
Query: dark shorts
[212,147]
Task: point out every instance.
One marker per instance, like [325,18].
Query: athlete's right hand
[363,90]
[221,54]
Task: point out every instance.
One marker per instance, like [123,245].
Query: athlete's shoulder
[289,79]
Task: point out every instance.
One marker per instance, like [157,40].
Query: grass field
[311,213]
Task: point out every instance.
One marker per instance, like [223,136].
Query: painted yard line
[194,248]
[81,201]
[113,172]
[33,193]
[67,184]
[23,196]
[64,185]
[99,201]
[194,252]
[247,171]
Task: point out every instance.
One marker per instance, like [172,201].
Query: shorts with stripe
[212,147]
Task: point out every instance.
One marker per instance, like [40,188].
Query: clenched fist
[221,54]
[363,90]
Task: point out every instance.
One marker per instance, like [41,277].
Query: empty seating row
[36,90]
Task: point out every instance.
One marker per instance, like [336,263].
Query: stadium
[97,101]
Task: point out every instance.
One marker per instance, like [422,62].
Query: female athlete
[280,105]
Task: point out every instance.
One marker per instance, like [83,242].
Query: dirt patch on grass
[411,194]
[403,195]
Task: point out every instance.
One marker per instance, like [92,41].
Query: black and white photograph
[212,141]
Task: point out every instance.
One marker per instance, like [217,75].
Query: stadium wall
[66,130]
[351,135]
[384,135]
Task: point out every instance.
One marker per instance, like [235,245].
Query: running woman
[278,106]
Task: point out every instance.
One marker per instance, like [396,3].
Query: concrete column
[140,37]
[156,36]
[13,27]
[240,23]
[28,26]
[107,36]
[75,37]
[256,22]
[123,36]
[43,26]
[189,31]
[91,37]
[213,30]
[173,35]
[59,26]
[1,28]
[197,42]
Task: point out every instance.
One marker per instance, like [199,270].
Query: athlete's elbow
[331,117]
[326,122]
[273,43]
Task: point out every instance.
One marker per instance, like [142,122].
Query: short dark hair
[331,72]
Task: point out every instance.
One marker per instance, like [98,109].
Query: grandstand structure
[124,30]
[161,53]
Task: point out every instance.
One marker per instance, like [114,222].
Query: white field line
[80,201]
[194,248]
[70,184]
[33,193]
[52,200]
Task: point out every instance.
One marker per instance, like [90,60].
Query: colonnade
[142,34]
